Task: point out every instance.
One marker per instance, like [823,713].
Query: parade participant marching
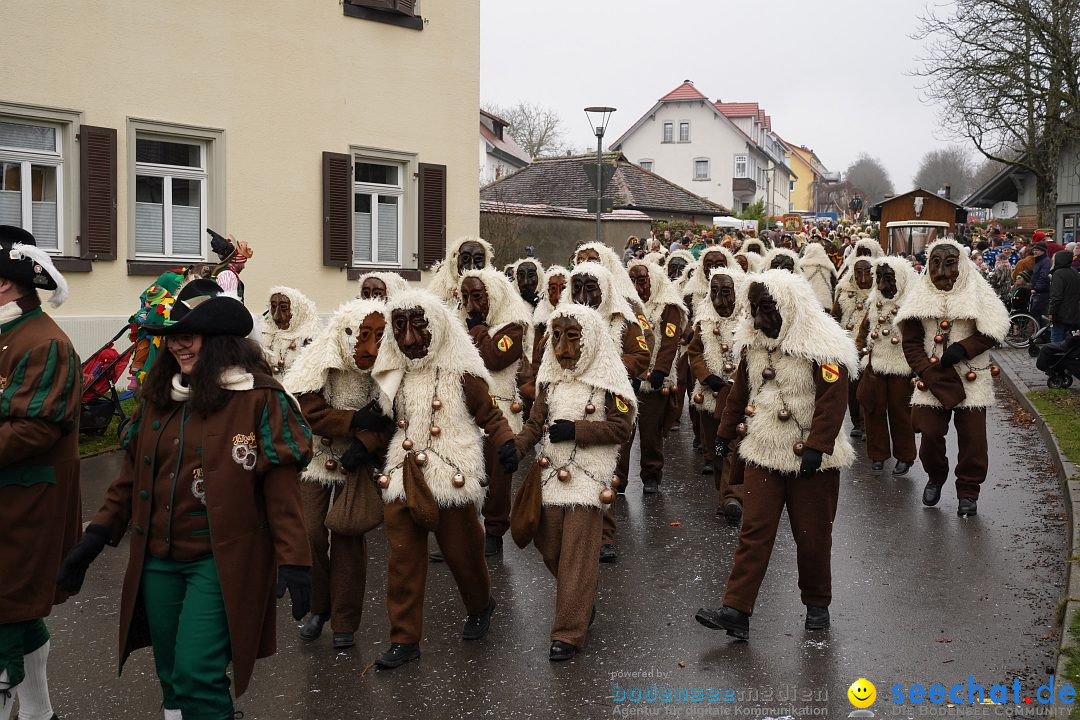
[819,271]
[467,253]
[679,266]
[665,318]
[583,412]
[40,387]
[526,280]
[885,386]
[754,252]
[433,479]
[863,248]
[781,258]
[294,323]
[380,285]
[233,255]
[500,325]
[209,488]
[592,285]
[850,309]
[340,401]
[555,280]
[787,403]
[712,360]
[950,319]
[601,253]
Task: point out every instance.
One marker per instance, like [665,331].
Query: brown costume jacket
[943,382]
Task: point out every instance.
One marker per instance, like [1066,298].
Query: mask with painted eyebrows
[566,341]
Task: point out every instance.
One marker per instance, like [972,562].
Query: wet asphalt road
[920,595]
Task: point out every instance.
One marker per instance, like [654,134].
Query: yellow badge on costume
[669,329]
[621,405]
[644,323]
[505,343]
[830,372]
[642,343]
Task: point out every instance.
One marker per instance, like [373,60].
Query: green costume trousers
[17,640]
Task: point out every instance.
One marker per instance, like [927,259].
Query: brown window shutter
[97,192]
[432,207]
[401,7]
[337,209]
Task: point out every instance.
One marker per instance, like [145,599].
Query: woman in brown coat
[209,487]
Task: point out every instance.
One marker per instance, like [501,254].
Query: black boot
[966,507]
[877,467]
[857,432]
[737,624]
[931,494]
[707,468]
[561,651]
[817,618]
[398,655]
[343,640]
[476,626]
[733,511]
[650,486]
[607,553]
[312,627]
[901,468]
[493,545]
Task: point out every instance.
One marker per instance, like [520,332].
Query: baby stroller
[1060,361]
[100,400]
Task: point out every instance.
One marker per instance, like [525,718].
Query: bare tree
[537,129]
[1005,74]
[951,165]
[988,169]
[870,177]
[500,225]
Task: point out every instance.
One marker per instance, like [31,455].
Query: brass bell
[939,338]
[783,414]
[850,327]
[615,481]
[880,304]
[544,461]
[944,324]
[403,424]
[768,373]
[850,294]
[934,360]
[435,431]
[741,429]
[607,496]
[914,381]
[325,441]
[563,475]
[716,331]
[895,340]
[729,367]
[292,346]
[749,410]
[885,331]
[881,318]
[436,404]
[994,371]
[665,391]
[384,481]
[921,385]
[407,444]
[724,347]
[971,376]
[590,409]
[698,398]
[874,335]
[515,407]
[798,448]
[331,465]
[459,480]
[421,458]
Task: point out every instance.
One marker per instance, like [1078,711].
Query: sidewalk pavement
[1020,367]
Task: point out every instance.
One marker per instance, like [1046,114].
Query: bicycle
[1025,331]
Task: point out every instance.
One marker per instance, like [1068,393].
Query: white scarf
[232,378]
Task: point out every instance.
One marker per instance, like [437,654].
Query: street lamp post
[599,125]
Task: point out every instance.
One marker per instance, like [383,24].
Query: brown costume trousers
[971,462]
[496,508]
[853,403]
[811,506]
[569,541]
[338,563]
[650,432]
[461,539]
[722,471]
[891,418]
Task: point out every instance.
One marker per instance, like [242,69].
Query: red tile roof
[686,91]
[738,109]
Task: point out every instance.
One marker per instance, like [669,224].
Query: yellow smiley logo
[862,693]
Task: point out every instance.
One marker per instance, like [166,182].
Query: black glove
[475,318]
[73,569]
[656,379]
[722,448]
[714,382]
[953,354]
[562,431]
[635,383]
[355,456]
[298,581]
[508,457]
[811,462]
[370,417]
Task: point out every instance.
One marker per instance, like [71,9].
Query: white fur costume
[327,367]
[971,306]
[755,261]
[717,332]
[820,272]
[545,307]
[684,275]
[284,346]
[808,337]
[613,305]
[414,385]
[613,264]
[663,294]
[884,351]
[445,278]
[778,251]
[852,299]
[698,285]
[393,282]
[599,371]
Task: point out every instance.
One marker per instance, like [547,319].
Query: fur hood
[544,308]
[682,280]
[807,332]
[777,251]
[852,253]
[332,348]
[600,364]
[394,283]
[754,261]
[813,257]
[612,302]
[450,348]
[905,277]
[664,292]
[703,307]
[305,318]
[445,279]
[505,306]
[512,267]
[971,298]
[846,283]
[655,257]
[698,284]
[613,264]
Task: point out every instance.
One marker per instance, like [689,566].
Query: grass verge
[110,440]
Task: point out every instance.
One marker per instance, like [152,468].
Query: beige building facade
[333,137]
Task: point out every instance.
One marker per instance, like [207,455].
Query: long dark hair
[207,396]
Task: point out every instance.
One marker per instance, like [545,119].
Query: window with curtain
[669,132]
[378,204]
[31,180]
[684,131]
[701,169]
[646,165]
[741,166]
[170,197]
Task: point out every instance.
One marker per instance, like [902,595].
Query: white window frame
[666,137]
[178,172]
[64,159]
[409,172]
[791,186]
[375,190]
[745,161]
[646,161]
[708,169]
[684,124]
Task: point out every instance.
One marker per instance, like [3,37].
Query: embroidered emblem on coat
[642,343]
[504,343]
[3,383]
[243,452]
[644,323]
[197,488]
[830,372]
[669,329]
[621,405]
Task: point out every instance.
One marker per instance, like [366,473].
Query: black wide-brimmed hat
[23,262]
[202,308]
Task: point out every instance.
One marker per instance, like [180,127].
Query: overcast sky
[833,74]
